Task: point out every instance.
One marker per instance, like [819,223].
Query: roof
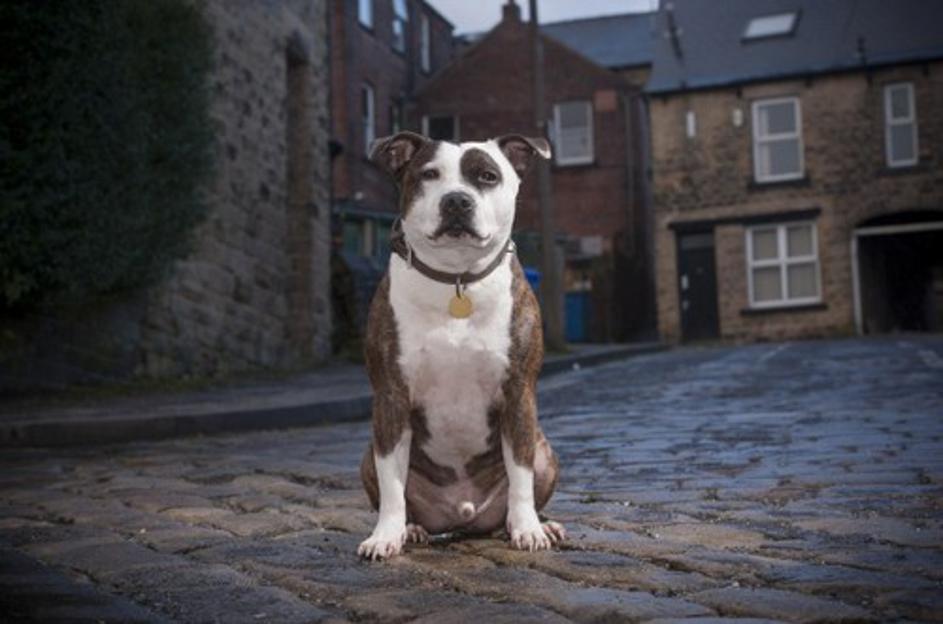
[610,40]
[825,39]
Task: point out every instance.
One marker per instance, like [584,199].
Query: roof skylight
[771,25]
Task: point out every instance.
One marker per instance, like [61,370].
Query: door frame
[678,236]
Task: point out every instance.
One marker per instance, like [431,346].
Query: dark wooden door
[697,286]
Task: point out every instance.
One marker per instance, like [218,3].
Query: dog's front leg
[389,535]
[523,525]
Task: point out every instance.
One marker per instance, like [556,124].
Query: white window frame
[425,44]
[556,134]
[369,117]
[890,122]
[365,13]
[783,261]
[401,19]
[758,140]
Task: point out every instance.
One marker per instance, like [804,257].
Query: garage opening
[899,271]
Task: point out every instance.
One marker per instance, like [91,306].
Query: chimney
[511,12]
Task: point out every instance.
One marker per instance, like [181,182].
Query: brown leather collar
[403,250]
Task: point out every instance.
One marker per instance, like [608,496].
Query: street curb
[79,432]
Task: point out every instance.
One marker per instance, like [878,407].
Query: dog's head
[457,201]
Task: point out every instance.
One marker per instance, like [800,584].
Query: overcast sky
[480,15]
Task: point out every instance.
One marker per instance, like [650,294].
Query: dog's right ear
[393,153]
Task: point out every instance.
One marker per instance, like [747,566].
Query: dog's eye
[430,174]
[488,177]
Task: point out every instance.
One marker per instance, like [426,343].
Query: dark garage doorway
[900,273]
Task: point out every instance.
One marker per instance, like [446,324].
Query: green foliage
[105,139]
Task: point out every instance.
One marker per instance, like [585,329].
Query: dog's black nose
[457,205]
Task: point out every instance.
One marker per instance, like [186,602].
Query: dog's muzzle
[456,211]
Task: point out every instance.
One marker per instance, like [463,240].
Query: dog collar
[460,305]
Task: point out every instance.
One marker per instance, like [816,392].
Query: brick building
[255,290]
[596,126]
[381,52]
[798,168]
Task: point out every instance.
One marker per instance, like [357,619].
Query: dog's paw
[526,531]
[383,543]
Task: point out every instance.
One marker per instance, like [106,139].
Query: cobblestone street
[796,482]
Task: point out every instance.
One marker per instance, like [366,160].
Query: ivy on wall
[105,140]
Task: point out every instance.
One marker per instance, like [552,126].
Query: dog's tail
[466,509]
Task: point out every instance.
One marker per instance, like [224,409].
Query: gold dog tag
[460,306]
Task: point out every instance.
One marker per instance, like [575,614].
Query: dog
[453,347]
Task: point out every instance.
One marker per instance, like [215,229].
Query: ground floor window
[783,265]
[366,236]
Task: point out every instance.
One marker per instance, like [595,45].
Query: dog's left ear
[393,153]
[520,150]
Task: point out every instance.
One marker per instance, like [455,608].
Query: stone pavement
[798,482]
[338,392]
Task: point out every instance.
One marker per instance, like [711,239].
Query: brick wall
[490,89]
[711,177]
[359,56]
[254,292]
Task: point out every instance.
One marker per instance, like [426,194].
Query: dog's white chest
[454,368]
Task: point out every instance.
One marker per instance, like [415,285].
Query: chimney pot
[511,12]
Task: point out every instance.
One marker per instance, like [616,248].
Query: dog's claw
[416,534]
[554,531]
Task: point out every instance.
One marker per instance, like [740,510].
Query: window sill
[584,164]
[754,185]
[903,170]
[367,29]
[802,307]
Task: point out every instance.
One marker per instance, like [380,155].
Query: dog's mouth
[456,229]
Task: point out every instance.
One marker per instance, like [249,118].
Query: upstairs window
[900,125]
[396,116]
[367,107]
[425,44]
[365,13]
[573,133]
[777,140]
[400,18]
[778,25]
[783,265]
[440,127]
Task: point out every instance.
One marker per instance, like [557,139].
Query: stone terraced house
[798,168]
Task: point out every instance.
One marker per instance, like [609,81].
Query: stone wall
[255,290]
[710,177]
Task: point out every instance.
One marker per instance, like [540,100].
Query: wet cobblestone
[798,482]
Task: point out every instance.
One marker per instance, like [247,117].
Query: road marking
[771,354]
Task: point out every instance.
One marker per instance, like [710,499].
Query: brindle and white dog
[456,445]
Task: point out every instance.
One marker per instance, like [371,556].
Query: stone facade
[706,183]
[255,290]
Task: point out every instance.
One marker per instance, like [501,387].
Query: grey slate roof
[825,40]
[611,40]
